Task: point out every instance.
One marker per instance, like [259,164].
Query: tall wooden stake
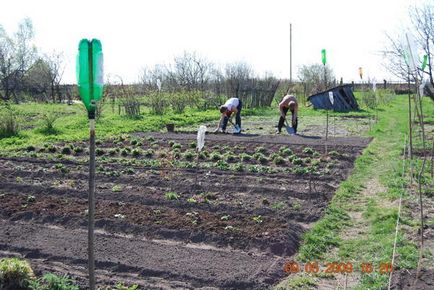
[410,131]
[91,251]
[91,226]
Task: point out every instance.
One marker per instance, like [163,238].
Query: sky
[138,34]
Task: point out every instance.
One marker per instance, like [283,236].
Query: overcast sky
[135,34]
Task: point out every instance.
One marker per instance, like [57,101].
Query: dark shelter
[344,100]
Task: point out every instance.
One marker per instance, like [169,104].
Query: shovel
[290,130]
[236,127]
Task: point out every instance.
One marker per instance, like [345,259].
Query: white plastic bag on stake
[331,98]
[374,85]
[201,137]
[411,49]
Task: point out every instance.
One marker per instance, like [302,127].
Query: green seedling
[171,195]
[257,219]
[191,200]
[117,188]
[278,205]
[225,217]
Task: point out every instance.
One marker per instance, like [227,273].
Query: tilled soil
[219,228]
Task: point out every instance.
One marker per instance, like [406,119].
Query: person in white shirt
[289,102]
[233,105]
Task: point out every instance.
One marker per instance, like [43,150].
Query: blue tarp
[344,100]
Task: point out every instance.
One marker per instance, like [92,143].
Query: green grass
[382,159]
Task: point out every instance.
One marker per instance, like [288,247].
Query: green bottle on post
[90,73]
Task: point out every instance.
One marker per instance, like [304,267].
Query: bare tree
[17,54]
[315,78]
[56,68]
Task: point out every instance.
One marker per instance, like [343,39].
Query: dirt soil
[223,229]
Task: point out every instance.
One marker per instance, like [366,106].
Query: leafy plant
[15,274]
[261,150]
[215,156]
[48,121]
[30,148]
[333,153]
[278,160]
[189,155]
[297,161]
[278,205]
[191,200]
[238,167]
[308,150]
[52,281]
[193,145]
[176,146]
[245,157]
[229,157]
[149,153]
[285,151]
[222,165]
[99,152]
[171,195]
[136,152]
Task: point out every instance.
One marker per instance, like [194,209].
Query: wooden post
[91,213]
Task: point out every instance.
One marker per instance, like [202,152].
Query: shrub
[15,274]
[9,124]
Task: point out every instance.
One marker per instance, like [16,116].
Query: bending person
[289,102]
[233,105]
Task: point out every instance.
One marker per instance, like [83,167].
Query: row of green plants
[17,274]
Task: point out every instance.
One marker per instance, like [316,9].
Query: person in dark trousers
[233,105]
[288,103]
